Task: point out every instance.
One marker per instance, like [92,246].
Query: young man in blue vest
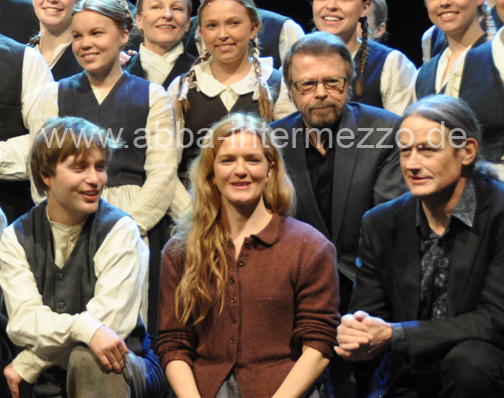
[73,272]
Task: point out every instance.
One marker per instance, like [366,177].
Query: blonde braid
[182,101]
[488,21]
[265,105]
[359,89]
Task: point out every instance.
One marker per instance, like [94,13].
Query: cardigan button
[233,300]
[61,304]
[231,280]
[241,263]
[60,277]
[233,321]
[232,340]
[247,245]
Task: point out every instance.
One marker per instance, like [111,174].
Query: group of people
[237,209]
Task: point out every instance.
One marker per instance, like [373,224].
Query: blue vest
[426,79]
[182,65]
[482,88]
[66,65]
[69,289]
[204,111]
[124,110]
[376,55]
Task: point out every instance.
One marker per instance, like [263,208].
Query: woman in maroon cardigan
[249,297]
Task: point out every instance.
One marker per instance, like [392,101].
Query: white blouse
[157,68]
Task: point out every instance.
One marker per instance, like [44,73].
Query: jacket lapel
[307,207]
[344,164]
[407,257]
[465,249]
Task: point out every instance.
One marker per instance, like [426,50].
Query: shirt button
[60,277]
[232,340]
[241,263]
[61,304]
[233,321]
[231,280]
[233,300]
[439,312]
[441,275]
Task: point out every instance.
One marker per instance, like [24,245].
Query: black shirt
[321,169]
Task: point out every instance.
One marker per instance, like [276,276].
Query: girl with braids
[459,21]
[142,177]
[248,304]
[228,77]
[383,75]
[55,37]
[163,24]
[480,82]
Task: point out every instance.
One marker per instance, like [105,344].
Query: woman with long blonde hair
[249,298]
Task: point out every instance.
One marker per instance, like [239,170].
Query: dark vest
[269,36]
[124,110]
[69,289]
[204,111]
[14,195]
[482,88]
[438,42]
[66,66]
[426,79]
[11,85]
[182,65]
[376,55]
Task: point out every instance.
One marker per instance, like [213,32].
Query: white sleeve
[15,151]
[32,324]
[173,90]
[283,105]
[121,266]
[397,82]
[427,44]
[156,195]
[291,32]
[47,107]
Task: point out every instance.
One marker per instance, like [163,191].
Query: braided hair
[359,89]
[265,103]
[488,24]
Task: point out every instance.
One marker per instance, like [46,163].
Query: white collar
[154,61]
[210,86]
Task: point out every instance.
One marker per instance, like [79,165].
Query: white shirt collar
[160,65]
[58,52]
[210,86]
[498,52]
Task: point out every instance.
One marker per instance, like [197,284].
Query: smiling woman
[142,178]
[163,24]
[248,303]
[53,42]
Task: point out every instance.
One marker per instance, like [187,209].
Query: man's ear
[469,151]
[47,180]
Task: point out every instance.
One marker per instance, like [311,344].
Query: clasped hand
[361,337]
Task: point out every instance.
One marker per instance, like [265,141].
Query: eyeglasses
[330,84]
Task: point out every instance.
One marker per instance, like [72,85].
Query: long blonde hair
[265,104]
[202,235]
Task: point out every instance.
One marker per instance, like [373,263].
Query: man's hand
[109,348]
[362,337]
[13,380]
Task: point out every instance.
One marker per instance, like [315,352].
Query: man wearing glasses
[342,156]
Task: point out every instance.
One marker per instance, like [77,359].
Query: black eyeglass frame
[323,81]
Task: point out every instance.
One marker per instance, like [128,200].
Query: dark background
[407,21]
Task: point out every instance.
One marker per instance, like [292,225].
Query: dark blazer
[363,177]
[388,275]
